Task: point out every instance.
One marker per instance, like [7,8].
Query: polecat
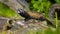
[33,15]
[30,15]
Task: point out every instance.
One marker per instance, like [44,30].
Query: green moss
[5,11]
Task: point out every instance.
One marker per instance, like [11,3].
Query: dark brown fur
[31,15]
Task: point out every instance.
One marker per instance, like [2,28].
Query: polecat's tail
[49,23]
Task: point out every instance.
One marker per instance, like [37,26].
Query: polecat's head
[20,11]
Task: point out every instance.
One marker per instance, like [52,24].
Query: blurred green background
[38,5]
[5,11]
[42,5]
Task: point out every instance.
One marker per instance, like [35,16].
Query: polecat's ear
[19,10]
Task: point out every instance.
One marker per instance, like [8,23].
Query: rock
[22,27]
[54,8]
[16,4]
[19,26]
[3,23]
